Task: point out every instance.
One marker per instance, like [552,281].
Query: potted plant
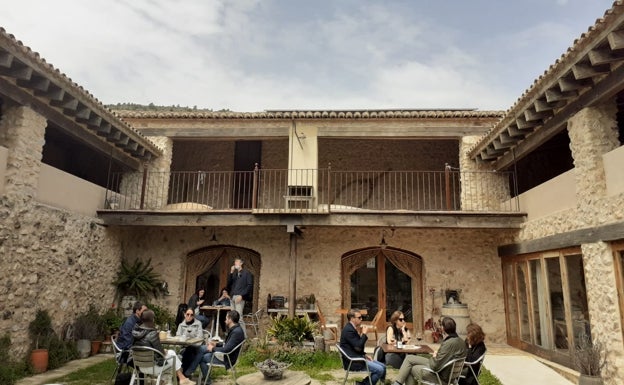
[88,327]
[40,329]
[112,322]
[590,357]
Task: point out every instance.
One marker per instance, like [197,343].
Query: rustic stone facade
[592,133]
[51,259]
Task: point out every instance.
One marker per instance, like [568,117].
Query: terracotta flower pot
[95,347]
[39,360]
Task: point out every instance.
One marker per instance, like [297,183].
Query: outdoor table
[298,312]
[215,322]
[408,349]
[177,341]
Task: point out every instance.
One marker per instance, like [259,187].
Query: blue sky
[303,54]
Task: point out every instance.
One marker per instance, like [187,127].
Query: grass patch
[487,378]
[98,374]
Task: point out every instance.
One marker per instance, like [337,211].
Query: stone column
[22,131]
[481,188]
[157,186]
[602,302]
[593,132]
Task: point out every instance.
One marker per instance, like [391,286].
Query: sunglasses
[401,319]
[187,314]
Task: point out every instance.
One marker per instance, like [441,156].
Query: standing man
[240,287]
[125,339]
[452,347]
[352,341]
[234,337]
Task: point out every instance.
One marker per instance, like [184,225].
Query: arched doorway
[209,268]
[387,278]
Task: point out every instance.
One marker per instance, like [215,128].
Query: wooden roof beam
[585,70]
[17,70]
[505,138]
[6,59]
[572,84]
[616,39]
[541,105]
[554,95]
[114,136]
[82,113]
[514,132]
[54,93]
[523,124]
[532,115]
[104,129]
[603,56]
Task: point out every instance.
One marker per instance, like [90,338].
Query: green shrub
[163,317]
[10,370]
[293,331]
[60,352]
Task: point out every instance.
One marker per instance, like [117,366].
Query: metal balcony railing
[313,191]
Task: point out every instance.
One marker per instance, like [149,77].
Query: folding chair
[376,320]
[478,363]
[331,328]
[229,359]
[146,361]
[121,358]
[455,365]
[253,320]
[351,360]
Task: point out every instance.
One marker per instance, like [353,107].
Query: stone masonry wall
[450,258]
[51,259]
[593,132]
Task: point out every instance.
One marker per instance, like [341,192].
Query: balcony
[313,191]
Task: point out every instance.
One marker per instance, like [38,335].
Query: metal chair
[471,366]
[121,358]
[253,320]
[351,360]
[228,360]
[146,361]
[456,365]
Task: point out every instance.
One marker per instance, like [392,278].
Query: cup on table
[162,335]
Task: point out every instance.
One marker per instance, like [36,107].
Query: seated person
[352,341]
[475,349]
[396,332]
[147,335]
[452,347]
[234,337]
[124,339]
[191,328]
[223,300]
[196,301]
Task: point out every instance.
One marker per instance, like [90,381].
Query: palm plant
[139,279]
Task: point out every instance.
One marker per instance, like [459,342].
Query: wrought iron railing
[314,191]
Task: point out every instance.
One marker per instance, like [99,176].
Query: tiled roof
[576,72]
[312,114]
[25,69]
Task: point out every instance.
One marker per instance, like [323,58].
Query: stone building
[520,213]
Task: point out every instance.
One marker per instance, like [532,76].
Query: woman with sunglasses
[397,331]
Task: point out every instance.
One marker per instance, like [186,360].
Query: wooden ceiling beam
[6,59]
[514,132]
[554,95]
[586,71]
[616,39]
[603,56]
[572,84]
[532,115]
[36,83]
[523,124]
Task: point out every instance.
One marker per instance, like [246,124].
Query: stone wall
[51,259]
[462,259]
[593,132]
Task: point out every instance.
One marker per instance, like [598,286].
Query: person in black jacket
[240,287]
[475,348]
[352,342]
[234,337]
[147,335]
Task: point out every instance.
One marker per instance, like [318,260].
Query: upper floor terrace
[448,198]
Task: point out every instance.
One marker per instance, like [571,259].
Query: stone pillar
[602,301]
[593,132]
[22,131]
[481,188]
[157,186]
